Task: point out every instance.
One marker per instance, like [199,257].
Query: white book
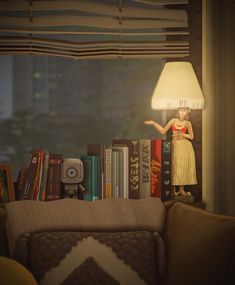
[145,167]
[124,170]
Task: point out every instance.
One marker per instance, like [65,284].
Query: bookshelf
[127,168]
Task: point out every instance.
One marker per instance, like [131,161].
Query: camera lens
[71,172]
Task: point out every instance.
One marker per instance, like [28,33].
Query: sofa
[119,241]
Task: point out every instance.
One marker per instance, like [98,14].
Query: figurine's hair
[187,117]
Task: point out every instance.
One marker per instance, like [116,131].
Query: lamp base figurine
[183,166]
[182,195]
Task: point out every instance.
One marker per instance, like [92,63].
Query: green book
[91,177]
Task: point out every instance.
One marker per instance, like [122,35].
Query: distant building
[6,89]
[68,82]
[30,83]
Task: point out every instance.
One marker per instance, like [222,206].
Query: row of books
[41,179]
[134,168]
[128,168]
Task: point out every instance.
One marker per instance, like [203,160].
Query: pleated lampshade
[177,87]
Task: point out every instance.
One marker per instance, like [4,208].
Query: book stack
[134,168]
[113,170]
[41,179]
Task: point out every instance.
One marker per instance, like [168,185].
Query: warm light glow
[177,87]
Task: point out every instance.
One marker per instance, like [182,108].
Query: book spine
[123,170]
[134,166]
[11,194]
[166,170]
[38,176]
[96,178]
[85,181]
[115,174]
[108,173]
[20,182]
[43,186]
[98,150]
[91,180]
[156,156]
[145,158]
[29,181]
[53,178]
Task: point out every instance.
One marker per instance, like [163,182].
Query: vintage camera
[72,173]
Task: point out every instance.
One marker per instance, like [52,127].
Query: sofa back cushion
[78,215]
[108,220]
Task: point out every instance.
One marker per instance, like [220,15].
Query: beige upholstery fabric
[200,246]
[68,214]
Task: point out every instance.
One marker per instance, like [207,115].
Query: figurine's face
[183,113]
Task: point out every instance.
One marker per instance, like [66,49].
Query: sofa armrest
[200,246]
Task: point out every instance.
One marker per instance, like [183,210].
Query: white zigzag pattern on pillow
[103,255]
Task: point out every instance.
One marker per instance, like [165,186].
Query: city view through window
[62,105]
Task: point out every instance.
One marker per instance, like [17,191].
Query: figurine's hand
[179,135]
[149,122]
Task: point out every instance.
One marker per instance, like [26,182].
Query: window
[62,105]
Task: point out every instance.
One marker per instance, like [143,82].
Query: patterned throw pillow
[94,258]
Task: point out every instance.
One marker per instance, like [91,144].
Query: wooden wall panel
[194,10]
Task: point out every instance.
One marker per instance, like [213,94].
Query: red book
[43,185]
[38,176]
[156,161]
[31,175]
[20,182]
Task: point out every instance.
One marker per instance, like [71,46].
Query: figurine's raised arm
[162,130]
